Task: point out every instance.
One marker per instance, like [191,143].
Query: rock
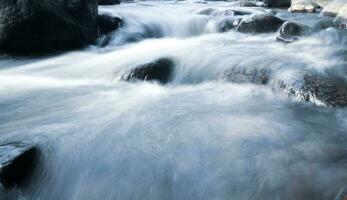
[108,23]
[260,23]
[304,86]
[277,3]
[291,31]
[17,163]
[109,2]
[306,6]
[159,70]
[316,89]
[254,75]
[30,26]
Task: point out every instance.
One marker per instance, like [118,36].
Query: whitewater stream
[199,137]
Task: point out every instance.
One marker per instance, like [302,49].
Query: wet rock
[260,23]
[304,87]
[277,3]
[292,31]
[254,75]
[159,70]
[108,23]
[316,89]
[109,2]
[17,163]
[30,26]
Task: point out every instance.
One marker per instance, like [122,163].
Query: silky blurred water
[198,137]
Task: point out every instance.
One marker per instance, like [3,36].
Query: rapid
[201,136]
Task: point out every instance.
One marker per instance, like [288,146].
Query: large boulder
[17,163]
[259,23]
[159,70]
[32,26]
[291,31]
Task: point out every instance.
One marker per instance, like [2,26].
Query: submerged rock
[254,75]
[159,70]
[44,26]
[108,23]
[109,2]
[260,23]
[291,31]
[17,163]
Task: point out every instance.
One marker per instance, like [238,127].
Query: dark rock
[31,26]
[159,70]
[109,2]
[316,89]
[260,23]
[292,31]
[108,23]
[17,163]
[277,3]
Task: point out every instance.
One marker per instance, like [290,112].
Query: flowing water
[198,137]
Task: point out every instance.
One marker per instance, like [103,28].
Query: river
[199,136]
